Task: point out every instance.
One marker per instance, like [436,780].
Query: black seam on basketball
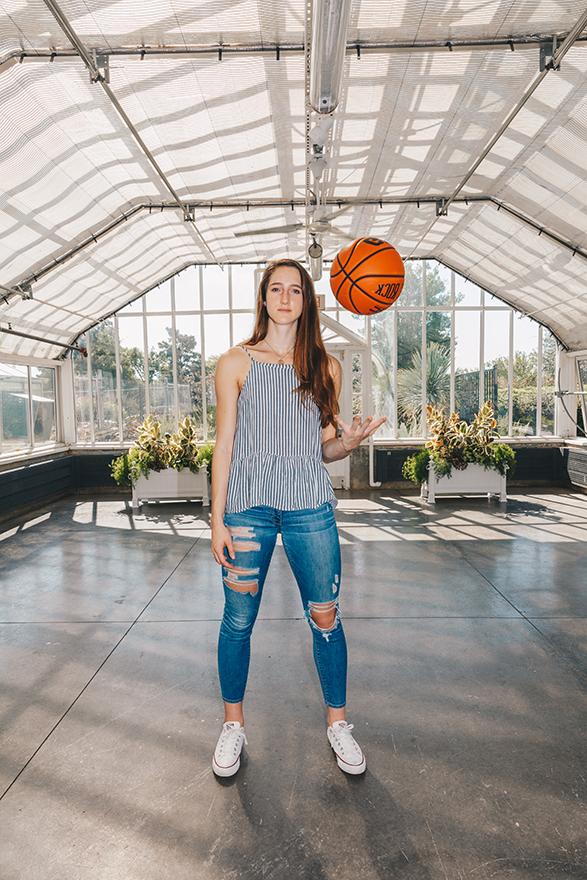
[342,268]
[377,275]
[363,291]
[341,283]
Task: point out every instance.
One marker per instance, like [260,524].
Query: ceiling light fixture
[329,28]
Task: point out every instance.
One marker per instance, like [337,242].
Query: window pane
[524,386]
[497,355]
[467,329]
[161,395]
[14,410]
[187,292]
[244,294]
[357,386]
[409,374]
[438,359]
[215,288]
[133,374]
[104,383]
[159,299]
[134,308]
[548,383]
[412,293]
[356,323]
[81,385]
[582,401]
[44,411]
[466,293]
[189,365]
[323,286]
[437,284]
[216,342]
[383,365]
[242,327]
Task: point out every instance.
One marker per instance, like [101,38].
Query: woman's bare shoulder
[232,364]
[233,357]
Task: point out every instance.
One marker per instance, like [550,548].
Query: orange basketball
[367,276]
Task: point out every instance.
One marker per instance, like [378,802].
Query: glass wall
[450,343]
[28,408]
[445,341]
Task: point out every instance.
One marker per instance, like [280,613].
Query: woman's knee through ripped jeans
[311,543]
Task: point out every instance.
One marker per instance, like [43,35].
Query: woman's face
[285,299]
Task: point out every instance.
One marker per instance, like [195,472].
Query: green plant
[415,467]
[455,443]
[120,470]
[153,451]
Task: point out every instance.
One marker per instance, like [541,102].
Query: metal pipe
[450,47]
[12,332]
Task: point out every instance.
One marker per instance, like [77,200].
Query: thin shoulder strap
[244,349]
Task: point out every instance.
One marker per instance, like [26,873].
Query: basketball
[367,276]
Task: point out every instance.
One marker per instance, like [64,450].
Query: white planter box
[473,480]
[170,484]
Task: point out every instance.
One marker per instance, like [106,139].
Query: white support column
[66,393]
[565,380]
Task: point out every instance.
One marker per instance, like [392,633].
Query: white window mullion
[394,427]
[30,409]
[203,357]
[482,351]
[511,377]
[539,384]
[231,318]
[424,432]
[174,358]
[91,390]
[118,380]
[146,363]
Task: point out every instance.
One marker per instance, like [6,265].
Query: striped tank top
[277,450]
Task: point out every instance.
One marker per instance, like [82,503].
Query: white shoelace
[230,739]
[348,744]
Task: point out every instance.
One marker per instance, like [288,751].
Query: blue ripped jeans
[311,543]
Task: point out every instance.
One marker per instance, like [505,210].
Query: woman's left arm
[334,448]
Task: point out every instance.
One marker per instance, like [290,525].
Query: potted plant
[165,466]
[459,458]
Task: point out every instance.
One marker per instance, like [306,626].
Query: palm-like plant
[409,383]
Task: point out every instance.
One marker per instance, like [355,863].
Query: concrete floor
[467,635]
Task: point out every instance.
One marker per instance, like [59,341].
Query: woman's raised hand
[353,434]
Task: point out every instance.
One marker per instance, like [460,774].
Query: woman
[276,417]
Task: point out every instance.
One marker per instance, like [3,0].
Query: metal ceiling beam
[554,64]
[66,345]
[358,48]
[97,77]
[19,288]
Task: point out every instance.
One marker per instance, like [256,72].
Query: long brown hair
[310,357]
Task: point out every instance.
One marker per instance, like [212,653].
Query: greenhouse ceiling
[139,138]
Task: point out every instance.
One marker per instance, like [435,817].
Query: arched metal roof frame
[187,206]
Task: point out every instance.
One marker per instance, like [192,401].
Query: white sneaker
[349,755]
[227,754]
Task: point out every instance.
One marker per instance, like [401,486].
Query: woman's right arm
[227,392]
